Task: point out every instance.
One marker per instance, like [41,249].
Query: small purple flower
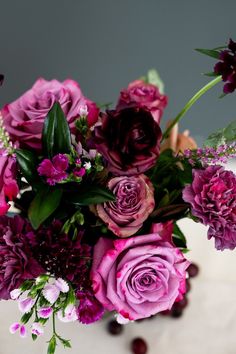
[68,315]
[26,305]
[37,329]
[17,326]
[45,312]
[54,170]
[212,196]
[79,172]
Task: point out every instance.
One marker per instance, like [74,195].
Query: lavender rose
[24,118]
[138,276]
[16,261]
[134,202]
[212,196]
[129,140]
[142,94]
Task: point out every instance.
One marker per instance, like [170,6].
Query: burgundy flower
[24,118]
[129,140]
[212,196]
[142,94]
[54,170]
[134,202]
[89,309]
[16,260]
[227,67]
[8,185]
[61,256]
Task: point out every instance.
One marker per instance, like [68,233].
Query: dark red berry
[114,328]
[182,303]
[165,313]
[193,270]
[139,346]
[176,312]
[188,285]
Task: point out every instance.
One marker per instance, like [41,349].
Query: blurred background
[106,44]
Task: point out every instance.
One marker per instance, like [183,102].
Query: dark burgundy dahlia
[16,259]
[129,139]
[61,256]
[227,67]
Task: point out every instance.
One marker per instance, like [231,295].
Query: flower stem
[189,104]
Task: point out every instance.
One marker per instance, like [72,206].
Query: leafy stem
[189,104]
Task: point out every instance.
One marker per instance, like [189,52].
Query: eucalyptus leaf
[56,133]
[43,205]
[209,52]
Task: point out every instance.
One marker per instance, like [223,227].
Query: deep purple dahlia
[16,260]
[212,196]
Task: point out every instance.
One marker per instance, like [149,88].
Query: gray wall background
[104,44]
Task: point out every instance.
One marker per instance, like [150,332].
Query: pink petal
[51,293]
[14,327]
[62,285]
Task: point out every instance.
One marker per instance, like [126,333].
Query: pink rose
[138,276]
[8,185]
[142,94]
[134,203]
[24,118]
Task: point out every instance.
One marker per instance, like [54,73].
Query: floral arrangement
[97,198]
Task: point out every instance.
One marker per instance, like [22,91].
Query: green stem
[54,324]
[189,104]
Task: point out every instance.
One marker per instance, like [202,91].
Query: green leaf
[226,135]
[27,162]
[179,238]
[153,78]
[209,52]
[26,317]
[34,337]
[230,132]
[52,345]
[92,195]
[43,205]
[56,132]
